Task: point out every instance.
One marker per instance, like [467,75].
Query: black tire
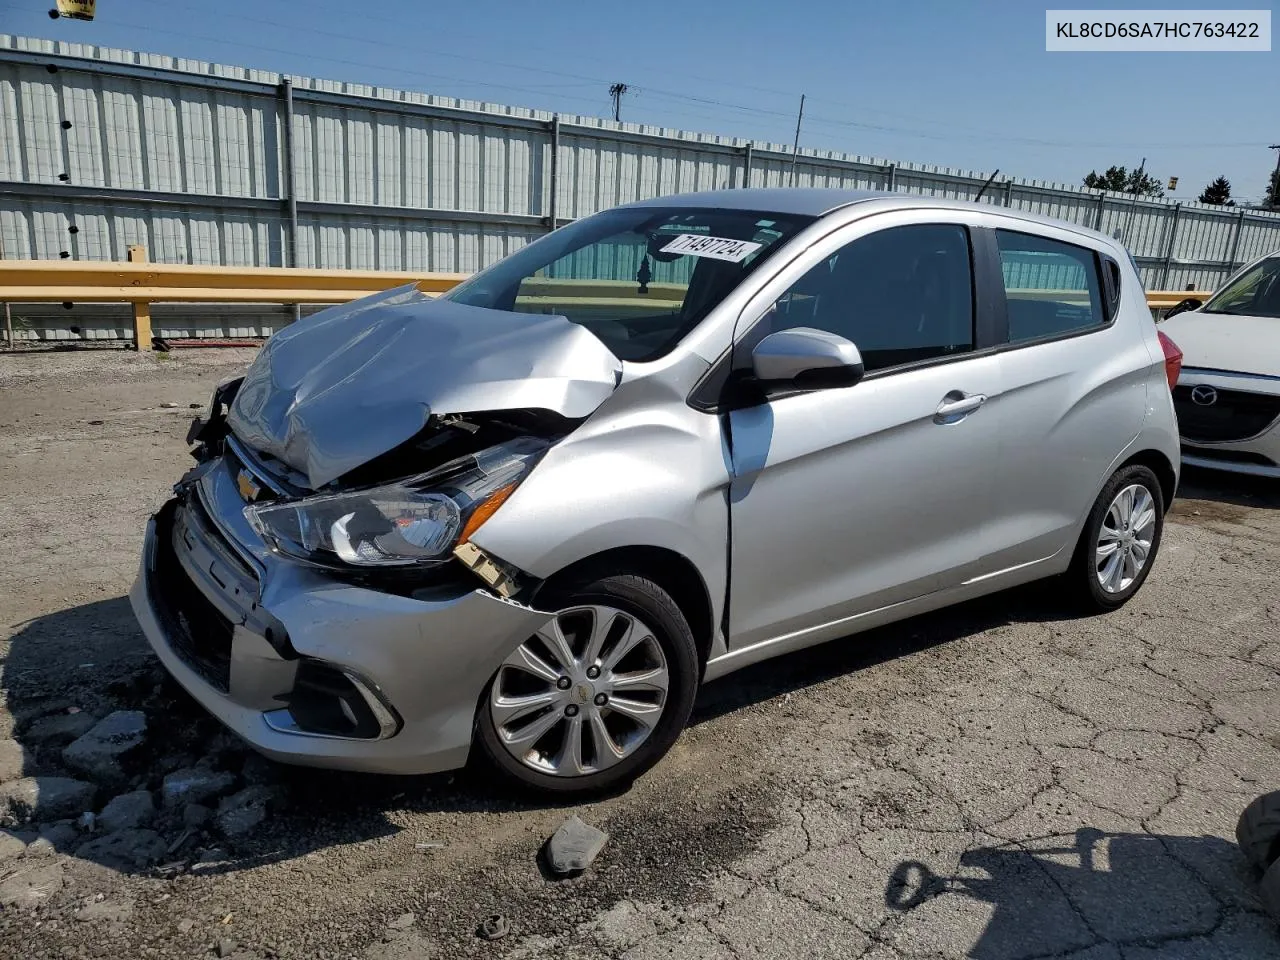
[1082,577]
[1269,891]
[1258,831]
[642,598]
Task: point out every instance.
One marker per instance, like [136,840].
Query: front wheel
[597,696]
[1120,540]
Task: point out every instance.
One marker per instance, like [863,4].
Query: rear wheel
[1258,831]
[1120,540]
[598,695]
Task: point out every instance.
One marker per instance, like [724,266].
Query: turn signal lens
[486,510]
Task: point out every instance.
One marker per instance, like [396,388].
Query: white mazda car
[1228,394]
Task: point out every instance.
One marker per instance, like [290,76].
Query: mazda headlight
[416,521]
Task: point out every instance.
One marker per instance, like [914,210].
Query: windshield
[1256,292]
[638,278]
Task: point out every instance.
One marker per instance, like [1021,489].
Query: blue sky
[965,85]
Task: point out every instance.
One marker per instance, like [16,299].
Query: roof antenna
[985,185]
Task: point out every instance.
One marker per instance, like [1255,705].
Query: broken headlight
[418,520]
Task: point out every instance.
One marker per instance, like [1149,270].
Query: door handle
[956,405]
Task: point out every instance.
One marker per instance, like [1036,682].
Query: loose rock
[61,836]
[127,812]
[226,947]
[186,925]
[40,847]
[30,888]
[572,848]
[44,798]
[241,812]
[196,815]
[14,760]
[11,846]
[116,912]
[194,785]
[99,752]
[59,729]
[403,922]
[124,850]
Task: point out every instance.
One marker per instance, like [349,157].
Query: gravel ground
[996,781]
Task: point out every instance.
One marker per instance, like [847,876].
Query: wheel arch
[1159,464]
[672,571]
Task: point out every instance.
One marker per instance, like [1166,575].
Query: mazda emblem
[1204,395]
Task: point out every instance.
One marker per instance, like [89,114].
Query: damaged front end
[400,522]
[374,438]
[313,582]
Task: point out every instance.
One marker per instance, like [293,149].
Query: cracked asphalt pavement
[999,780]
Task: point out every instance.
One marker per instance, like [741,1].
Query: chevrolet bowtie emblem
[248,487]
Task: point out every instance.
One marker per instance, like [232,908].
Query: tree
[1122,180]
[1217,193]
[1272,199]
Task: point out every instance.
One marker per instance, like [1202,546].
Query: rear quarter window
[1051,288]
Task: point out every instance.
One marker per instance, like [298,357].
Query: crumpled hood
[331,392]
[1222,341]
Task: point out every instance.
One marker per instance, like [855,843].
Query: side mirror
[1182,306]
[807,358]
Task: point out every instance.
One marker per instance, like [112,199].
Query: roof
[818,202]
[804,201]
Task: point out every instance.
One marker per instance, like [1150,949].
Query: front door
[847,500]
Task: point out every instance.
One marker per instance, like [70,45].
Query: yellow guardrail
[141,284]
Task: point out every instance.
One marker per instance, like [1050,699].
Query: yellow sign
[76,9]
[1173,183]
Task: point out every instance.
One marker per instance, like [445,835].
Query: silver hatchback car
[530,517]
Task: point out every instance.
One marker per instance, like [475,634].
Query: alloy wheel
[1124,540]
[582,694]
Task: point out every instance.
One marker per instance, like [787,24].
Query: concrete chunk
[127,812]
[574,846]
[59,729]
[124,850]
[44,798]
[194,785]
[98,753]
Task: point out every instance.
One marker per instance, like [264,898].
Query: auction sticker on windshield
[717,248]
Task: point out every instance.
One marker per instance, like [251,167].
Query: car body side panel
[849,499]
[1066,409]
[1070,411]
[646,470]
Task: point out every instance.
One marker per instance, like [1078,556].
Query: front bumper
[1257,453]
[255,622]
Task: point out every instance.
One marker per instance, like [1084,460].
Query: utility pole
[1133,207]
[795,148]
[616,91]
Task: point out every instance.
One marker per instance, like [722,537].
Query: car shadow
[1054,895]
[67,670]
[1215,488]
[1034,602]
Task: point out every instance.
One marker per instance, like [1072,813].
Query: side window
[1051,288]
[901,295]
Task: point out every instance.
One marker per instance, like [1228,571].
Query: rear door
[1073,389]
[850,499]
